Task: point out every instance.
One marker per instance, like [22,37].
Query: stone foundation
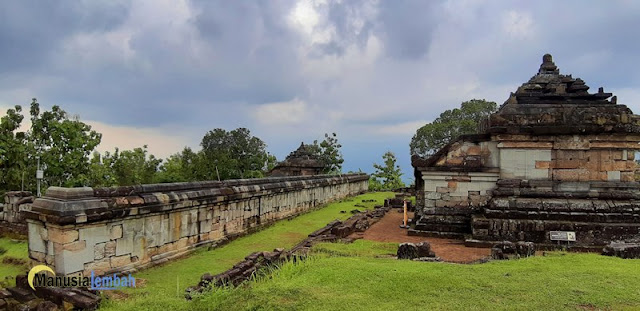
[448,200]
[121,229]
[598,212]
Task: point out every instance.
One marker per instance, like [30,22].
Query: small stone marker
[562,236]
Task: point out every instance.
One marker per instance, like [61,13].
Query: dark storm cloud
[341,16]
[357,67]
[251,60]
[31,30]
[408,27]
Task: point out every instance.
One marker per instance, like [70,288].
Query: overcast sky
[164,72]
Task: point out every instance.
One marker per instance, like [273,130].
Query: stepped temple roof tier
[553,103]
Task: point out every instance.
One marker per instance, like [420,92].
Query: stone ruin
[79,231]
[11,219]
[554,157]
[301,162]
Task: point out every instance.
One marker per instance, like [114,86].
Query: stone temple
[301,162]
[554,157]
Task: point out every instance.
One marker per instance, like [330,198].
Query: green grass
[165,284]
[15,249]
[361,248]
[557,282]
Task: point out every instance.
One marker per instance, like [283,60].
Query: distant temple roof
[302,157]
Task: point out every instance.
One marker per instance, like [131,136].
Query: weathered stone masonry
[11,219]
[553,158]
[120,229]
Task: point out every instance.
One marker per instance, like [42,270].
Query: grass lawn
[10,248]
[349,277]
[165,284]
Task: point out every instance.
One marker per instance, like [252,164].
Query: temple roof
[552,103]
[549,104]
[302,157]
[549,86]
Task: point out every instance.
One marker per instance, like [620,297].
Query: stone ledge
[64,206]
[69,193]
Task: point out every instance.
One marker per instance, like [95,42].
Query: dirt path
[388,230]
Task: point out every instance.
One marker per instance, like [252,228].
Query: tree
[388,175]
[233,154]
[63,145]
[328,151]
[124,168]
[101,171]
[375,184]
[12,150]
[133,167]
[182,166]
[449,125]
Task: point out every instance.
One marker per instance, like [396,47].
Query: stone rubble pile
[420,252]
[629,249]
[240,272]
[337,229]
[22,297]
[510,250]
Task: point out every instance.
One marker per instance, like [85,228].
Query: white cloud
[292,112]
[160,142]
[403,128]
[518,24]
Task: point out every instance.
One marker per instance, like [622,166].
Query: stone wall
[526,210]
[606,157]
[449,198]
[11,219]
[120,229]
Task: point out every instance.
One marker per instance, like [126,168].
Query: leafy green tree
[328,151]
[232,154]
[101,171]
[172,170]
[449,125]
[63,144]
[388,174]
[375,184]
[123,168]
[12,151]
[183,166]
[134,167]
